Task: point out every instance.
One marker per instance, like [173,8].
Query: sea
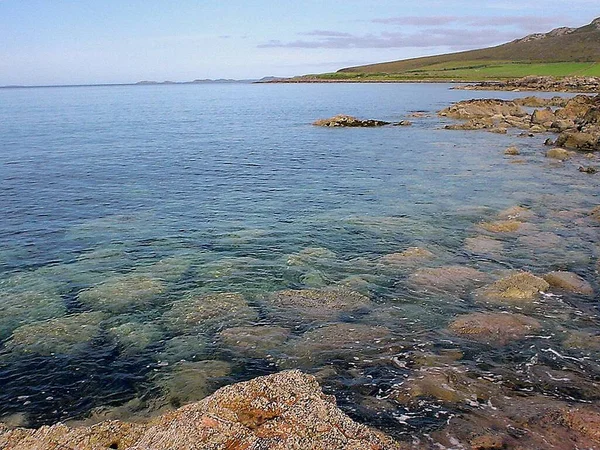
[152,238]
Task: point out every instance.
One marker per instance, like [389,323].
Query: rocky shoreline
[540,84]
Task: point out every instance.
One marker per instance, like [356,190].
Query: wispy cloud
[453,32]
[427,38]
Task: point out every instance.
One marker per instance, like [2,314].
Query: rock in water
[343,120]
[287,410]
[494,328]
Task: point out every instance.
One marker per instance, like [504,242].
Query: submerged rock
[134,337]
[310,256]
[337,341]
[516,213]
[517,288]
[494,328]
[410,255]
[21,308]
[63,335]
[450,385]
[192,381]
[285,411]
[199,312]
[317,303]
[448,278]
[123,294]
[502,226]
[343,120]
[483,245]
[254,342]
[569,281]
[184,348]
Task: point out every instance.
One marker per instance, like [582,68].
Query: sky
[47,42]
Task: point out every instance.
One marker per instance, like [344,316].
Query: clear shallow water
[122,205]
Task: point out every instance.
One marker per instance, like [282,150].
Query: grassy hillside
[561,52]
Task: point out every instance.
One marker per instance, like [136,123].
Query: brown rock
[282,411]
[569,281]
[516,213]
[579,140]
[512,151]
[540,116]
[558,153]
[502,226]
[585,421]
[487,442]
[479,108]
[494,327]
[483,245]
[522,287]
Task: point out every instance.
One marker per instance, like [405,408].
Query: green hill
[561,52]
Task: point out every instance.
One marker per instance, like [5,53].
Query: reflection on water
[144,267]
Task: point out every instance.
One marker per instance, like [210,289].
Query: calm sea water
[119,202]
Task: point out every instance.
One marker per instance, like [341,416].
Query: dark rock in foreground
[342,120]
[282,411]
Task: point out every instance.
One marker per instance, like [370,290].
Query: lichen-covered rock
[285,411]
[62,335]
[343,120]
[558,153]
[522,287]
[583,420]
[199,312]
[316,304]
[254,342]
[569,281]
[494,328]
[448,278]
[123,294]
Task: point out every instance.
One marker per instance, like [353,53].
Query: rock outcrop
[343,120]
[287,410]
[577,120]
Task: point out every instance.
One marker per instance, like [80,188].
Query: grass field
[474,71]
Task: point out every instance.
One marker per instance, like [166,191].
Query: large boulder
[287,410]
[579,140]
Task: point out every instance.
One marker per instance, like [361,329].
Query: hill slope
[578,46]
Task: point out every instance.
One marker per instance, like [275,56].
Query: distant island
[562,52]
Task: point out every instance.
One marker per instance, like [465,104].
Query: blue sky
[81,41]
